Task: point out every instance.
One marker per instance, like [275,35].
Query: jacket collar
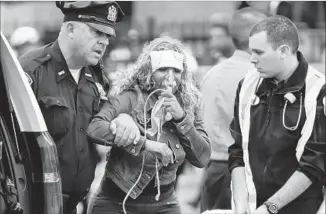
[295,82]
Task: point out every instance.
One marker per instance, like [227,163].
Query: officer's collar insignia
[88,74]
[101,91]
[112,13]
[29,78]
[61,73]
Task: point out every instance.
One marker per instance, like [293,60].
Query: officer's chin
[93,61]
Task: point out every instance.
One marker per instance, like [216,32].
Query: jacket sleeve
[312,162]
[194,139]
[99,131]
[235,150]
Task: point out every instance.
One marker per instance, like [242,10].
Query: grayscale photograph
[162,107]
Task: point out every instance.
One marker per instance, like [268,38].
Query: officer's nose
[104,39]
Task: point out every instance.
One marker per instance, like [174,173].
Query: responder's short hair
[280,30]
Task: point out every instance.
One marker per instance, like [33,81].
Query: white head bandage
[166,58]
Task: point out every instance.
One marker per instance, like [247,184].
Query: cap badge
[112,14]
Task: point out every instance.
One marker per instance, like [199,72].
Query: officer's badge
[29,78]
[101,91]
[112,14]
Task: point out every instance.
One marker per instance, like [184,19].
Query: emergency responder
[67,79]
[277,160]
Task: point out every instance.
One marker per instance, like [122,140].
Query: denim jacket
[187,139]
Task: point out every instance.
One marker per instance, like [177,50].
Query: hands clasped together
[126,131]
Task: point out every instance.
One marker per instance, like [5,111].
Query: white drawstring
[143,161]
[157,197]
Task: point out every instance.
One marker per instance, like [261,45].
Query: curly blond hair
[140,74]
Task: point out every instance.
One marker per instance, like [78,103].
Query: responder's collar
[295,82]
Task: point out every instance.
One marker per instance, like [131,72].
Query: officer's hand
[125,130]
[172,105]
[163,151]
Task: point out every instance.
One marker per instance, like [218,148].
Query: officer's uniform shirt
[67,107]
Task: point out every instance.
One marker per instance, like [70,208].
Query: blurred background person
[134,43]
[25,39]
[220,44]
[219,90]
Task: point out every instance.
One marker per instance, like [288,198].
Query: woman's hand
[172,105]
[164,152]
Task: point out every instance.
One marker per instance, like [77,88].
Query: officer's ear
[70,29]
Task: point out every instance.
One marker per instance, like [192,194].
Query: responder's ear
[285,50]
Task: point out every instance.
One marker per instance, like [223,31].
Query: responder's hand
[241,207]
[261,210]
[322,207]
[172,105]
[125,130]
[165,154]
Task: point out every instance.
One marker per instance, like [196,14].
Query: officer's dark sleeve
[235,150]
[99,128]
[312,162]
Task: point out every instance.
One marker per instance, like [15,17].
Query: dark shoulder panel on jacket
[30,61]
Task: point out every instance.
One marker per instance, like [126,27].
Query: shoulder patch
[29,78]
[32,60]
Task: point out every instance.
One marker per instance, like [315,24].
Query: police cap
[101,15]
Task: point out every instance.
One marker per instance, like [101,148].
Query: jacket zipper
[266,127]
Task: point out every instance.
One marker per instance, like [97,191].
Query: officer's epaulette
[32,60]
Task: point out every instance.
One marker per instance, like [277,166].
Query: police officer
[68,82]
